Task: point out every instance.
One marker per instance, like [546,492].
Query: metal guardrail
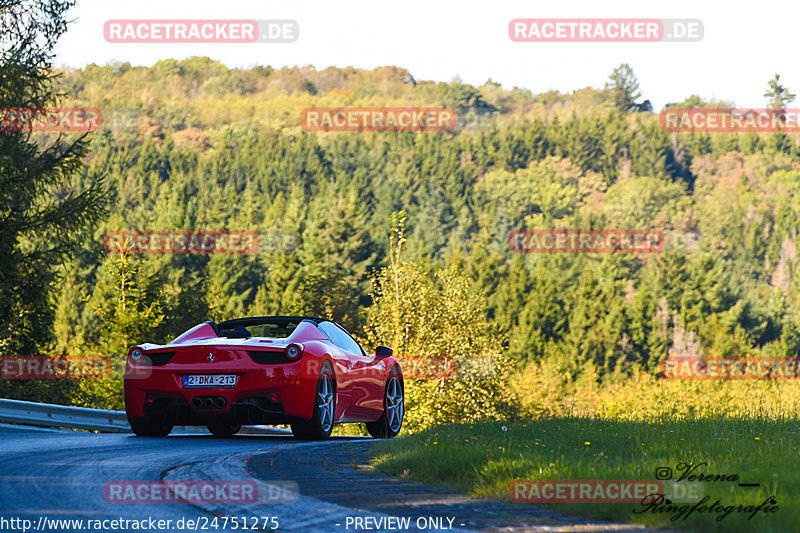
[62,416]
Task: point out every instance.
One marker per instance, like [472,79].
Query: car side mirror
[383,351]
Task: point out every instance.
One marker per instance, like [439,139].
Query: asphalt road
[298,487]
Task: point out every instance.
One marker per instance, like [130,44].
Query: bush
[439,319]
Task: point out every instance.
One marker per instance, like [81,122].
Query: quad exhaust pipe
[209,402]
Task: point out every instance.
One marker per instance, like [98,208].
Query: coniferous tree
[42,211]
[624,89]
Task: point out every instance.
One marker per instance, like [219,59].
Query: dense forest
[194,145]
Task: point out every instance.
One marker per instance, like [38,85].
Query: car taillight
[294,352]
[136,354]
[139,357]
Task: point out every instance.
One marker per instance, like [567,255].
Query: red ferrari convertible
[306,372]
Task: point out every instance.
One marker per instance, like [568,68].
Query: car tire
[321,424]
[391,421]
[224,430]
[143,427]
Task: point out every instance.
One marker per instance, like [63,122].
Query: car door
[344,390]
[365,383]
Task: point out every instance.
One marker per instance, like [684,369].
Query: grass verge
[482,459]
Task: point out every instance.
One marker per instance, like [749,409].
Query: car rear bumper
[158,393]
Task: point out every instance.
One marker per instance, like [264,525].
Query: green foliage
[437,327]
[696,101]
[483,459]
[624,89]
[125,303]
[127,310]
[193,145]
[336,253]
[777,95]
[44,211]
[463,98]
[45,208]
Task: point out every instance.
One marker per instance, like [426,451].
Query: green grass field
[482,459]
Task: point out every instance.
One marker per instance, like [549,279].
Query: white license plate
[211,381]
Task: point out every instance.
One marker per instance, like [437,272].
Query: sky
[743,46]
